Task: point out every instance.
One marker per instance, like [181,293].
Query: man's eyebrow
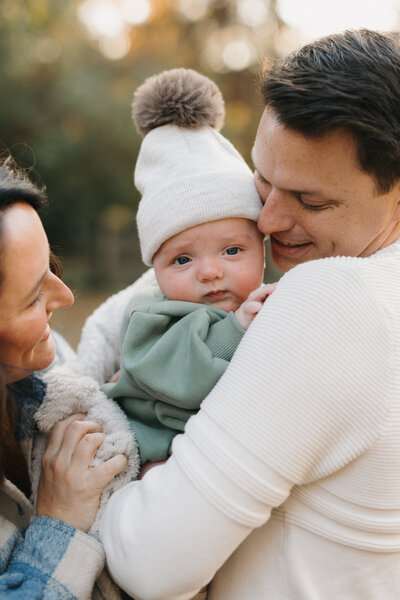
[295,192]
[253,160]
[255,167]
[35,287]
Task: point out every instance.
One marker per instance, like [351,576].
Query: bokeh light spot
[136,12]
[101,17]
[115,48]
[337,16]
[253,12]
[193,10]
[238,54]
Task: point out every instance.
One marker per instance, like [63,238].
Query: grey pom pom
[180,96]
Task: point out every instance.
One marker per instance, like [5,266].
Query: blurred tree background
[68,71]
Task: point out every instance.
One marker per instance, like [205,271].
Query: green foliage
[65,115]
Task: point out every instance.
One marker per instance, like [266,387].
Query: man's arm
[279,417]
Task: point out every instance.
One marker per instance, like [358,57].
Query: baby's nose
[209,270]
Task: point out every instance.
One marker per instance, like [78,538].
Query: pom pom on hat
[187,172]
[180,96]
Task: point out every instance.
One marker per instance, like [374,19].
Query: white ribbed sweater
[307,419]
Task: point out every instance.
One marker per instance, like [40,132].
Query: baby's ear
[182,97]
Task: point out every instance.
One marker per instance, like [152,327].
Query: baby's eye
[182,260]
[232,251]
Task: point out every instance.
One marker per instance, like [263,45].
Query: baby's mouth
[216,295]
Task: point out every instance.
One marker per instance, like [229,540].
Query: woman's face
[29,293]
[317,201]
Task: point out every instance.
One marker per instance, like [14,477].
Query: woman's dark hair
[351,81]
[14,187]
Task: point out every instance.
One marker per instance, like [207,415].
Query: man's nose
[276,214]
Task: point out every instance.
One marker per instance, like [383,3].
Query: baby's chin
[227,305]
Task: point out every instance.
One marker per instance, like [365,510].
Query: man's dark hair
[351,81]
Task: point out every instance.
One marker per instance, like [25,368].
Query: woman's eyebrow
[35,287]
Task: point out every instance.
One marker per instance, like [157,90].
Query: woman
[286,484]
[43,554]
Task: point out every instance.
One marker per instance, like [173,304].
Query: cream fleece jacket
[99,348]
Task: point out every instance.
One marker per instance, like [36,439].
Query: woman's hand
[69,489]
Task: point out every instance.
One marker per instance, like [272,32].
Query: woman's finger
[103,473]
[58,432]
[72,436]
[86,449]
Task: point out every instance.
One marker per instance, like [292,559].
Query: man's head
[327,152]
[350,81]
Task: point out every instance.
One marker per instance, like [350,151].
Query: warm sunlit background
[68,69]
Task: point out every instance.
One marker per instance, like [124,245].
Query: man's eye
[181,260]
[262,179]
[312,207]
[232,251]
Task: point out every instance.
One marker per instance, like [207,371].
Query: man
[286,485]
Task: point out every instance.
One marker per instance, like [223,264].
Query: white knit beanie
[187,172]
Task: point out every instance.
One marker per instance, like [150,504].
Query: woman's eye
[232,251]
[36,299]
[182,260]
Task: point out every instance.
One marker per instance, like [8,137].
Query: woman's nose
[276,214]
[60,296]
[209,270]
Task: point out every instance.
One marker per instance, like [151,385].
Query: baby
[197,225]
[197,228]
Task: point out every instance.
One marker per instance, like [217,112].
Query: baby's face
[217,263]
